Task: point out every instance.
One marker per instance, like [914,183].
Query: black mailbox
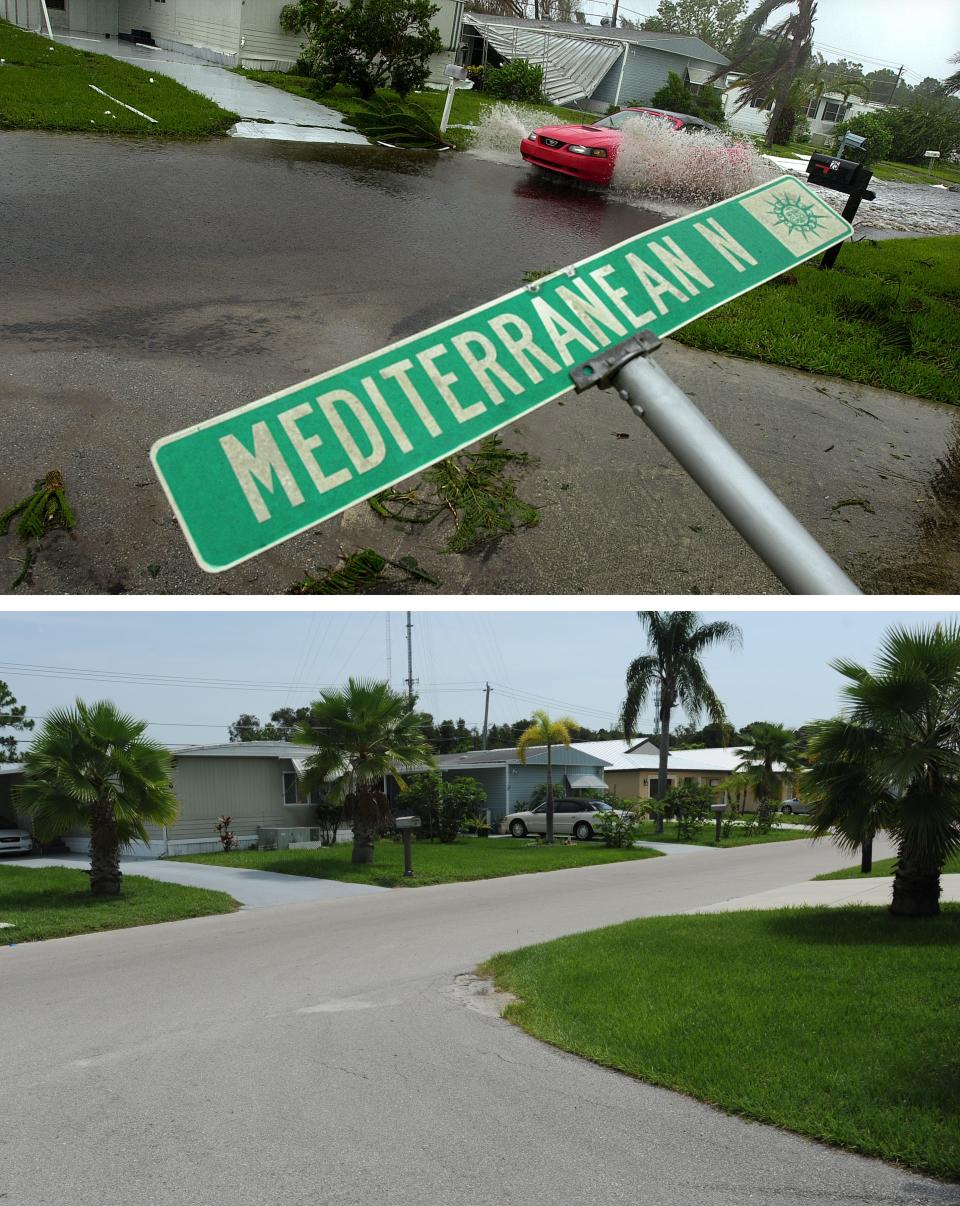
[845,175]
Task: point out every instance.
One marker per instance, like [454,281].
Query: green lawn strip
[840,1024]
[835,322]
[54,902]
[48,89]
[468,106]
[883,867]
[706,833]
[440,863]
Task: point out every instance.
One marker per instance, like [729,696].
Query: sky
[209,667]
[921,34]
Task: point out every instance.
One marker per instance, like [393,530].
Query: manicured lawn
[467,108]
[883,867]
[464,859]
[840,1024]
[54,902]
[887,316]
[45,85]
[706,832]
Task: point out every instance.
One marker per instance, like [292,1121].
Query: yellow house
[633,769]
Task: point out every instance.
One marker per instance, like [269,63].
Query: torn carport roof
[573,64]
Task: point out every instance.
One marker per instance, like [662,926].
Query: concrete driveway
[270,113]
[253,889]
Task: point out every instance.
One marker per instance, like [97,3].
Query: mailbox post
[406,825]
[457,78]
[718,811]
[846,176]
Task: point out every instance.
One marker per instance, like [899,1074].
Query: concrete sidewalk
[253,889]
[270,112]
[830,893]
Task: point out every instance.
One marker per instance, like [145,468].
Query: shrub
[933,127]
[328,818]
[517,80]
[875,129]
[368,44]
[443,807]
[690,805]
[228,839]
[619,828]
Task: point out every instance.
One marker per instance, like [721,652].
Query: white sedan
[14,841]
[570,816]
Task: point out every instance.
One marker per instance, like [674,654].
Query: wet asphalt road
[148,286]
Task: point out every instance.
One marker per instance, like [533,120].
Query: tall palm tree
[892,761]
[671,673]
[545,731]
[361,734]
[91,767]
[769,745]
[771,59]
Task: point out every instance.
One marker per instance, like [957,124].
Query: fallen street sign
[249,479]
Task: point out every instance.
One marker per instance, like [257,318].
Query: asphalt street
[326,1054]
[148,286]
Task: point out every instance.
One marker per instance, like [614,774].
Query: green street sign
[247,480]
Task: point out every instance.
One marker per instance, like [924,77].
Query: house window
[290,788]
[653,785]
[813,109]
[834,110]
[759,103]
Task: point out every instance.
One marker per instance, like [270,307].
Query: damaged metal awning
[698,75]
[572,65]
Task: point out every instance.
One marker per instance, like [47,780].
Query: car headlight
[533,136]
[595,152]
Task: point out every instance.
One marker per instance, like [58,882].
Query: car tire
[786,810]
[518,829]
[583,831]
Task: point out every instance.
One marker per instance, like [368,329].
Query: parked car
[794,806]
[590,152]
[570,816]
[14,841]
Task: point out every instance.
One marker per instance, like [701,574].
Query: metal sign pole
[723,475]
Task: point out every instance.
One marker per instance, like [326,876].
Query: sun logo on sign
[798,218]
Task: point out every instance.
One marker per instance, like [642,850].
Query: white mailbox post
[406,825]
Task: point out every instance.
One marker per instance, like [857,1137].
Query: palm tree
[545,731]
[892,761]
[951,85]
[91,767]
[769,745]
[673,673]
[783,51]
[361,734]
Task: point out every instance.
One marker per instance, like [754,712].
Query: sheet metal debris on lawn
[247,480]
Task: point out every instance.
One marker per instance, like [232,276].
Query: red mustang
[590,152]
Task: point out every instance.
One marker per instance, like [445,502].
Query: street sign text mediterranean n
[249,479]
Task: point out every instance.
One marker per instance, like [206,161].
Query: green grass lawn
[44,85]
[840,1024]
[54,902]
[888,315]
[906,173]
[883,867]
[468,106]
[706,833]
[440,863]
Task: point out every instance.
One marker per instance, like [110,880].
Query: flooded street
[148,286]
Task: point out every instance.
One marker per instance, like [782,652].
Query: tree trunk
[363,838]
[866,856]
[105,875]
[916,889]
[662,771]
[549,834]
[784,85]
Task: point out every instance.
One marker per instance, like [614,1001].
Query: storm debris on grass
[474,488]
[363,571]
[45,508]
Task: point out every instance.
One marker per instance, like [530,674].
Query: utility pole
[896,85]
[410,660]
[389,651]
[613,15]
[486,716]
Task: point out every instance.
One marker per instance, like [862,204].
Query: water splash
[503,126]
[696,169]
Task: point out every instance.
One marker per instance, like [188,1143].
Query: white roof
[245,749]
[616,753]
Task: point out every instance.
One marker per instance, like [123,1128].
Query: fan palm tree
[545,731]
[91,767]
[770,745]
[951,85]
[783,51]
[892,761]
[671,673]
[361,734]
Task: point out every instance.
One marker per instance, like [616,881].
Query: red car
[590,152]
